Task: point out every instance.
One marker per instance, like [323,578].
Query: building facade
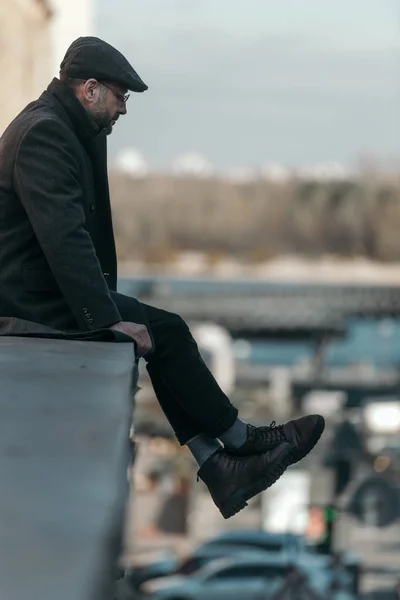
[34,35]
[25,54]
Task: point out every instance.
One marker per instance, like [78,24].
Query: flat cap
[92,57]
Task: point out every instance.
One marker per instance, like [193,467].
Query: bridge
[285,310]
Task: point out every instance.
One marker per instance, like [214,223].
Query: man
[58,268]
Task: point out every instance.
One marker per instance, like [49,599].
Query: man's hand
[138,332]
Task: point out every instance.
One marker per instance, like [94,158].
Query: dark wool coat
[58,262]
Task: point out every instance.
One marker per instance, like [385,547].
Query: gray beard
[103,124]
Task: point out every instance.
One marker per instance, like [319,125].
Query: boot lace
[272,434]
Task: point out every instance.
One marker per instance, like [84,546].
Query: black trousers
[187,392]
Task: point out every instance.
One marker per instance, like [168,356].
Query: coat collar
[85,126]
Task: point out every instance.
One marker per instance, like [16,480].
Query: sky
[250,82]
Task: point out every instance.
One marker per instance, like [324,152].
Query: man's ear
[90,90]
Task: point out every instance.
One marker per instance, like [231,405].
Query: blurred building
[71,19]
[25,53]
[192,164]
[131,162]
[34,35]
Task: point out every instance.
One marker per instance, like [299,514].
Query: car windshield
[270,546]
[249,570]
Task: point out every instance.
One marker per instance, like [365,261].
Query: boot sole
[301,453]
[239,499]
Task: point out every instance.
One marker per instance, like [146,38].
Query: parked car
[230,544]
[224,544]
[187,566]
[260,539]
[136,576]
[249,575]
[293,545]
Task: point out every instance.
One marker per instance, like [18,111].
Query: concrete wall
[25,54]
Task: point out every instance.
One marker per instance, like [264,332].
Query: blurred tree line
[157,216]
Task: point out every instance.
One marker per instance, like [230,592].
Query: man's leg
[202,446]
[185,428]
[231,480]
[180,415]
[193,401]
[176,361]
[181,422]
[180,376]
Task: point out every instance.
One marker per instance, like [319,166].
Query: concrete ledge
[65,414]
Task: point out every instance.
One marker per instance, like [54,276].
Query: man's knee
[176,323]
[168,329]
[171,333]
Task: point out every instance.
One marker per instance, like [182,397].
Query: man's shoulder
[37,116]
[41,117]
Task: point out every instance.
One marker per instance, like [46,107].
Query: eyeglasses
[122,99]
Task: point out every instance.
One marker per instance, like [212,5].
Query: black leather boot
[303,433]
[233,480]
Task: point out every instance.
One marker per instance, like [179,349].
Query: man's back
[51,209]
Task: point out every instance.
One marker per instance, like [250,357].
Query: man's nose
[122,109]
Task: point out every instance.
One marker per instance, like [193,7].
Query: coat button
[85,310]
[92,208]
[90,321]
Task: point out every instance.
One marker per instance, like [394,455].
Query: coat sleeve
[46,179]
